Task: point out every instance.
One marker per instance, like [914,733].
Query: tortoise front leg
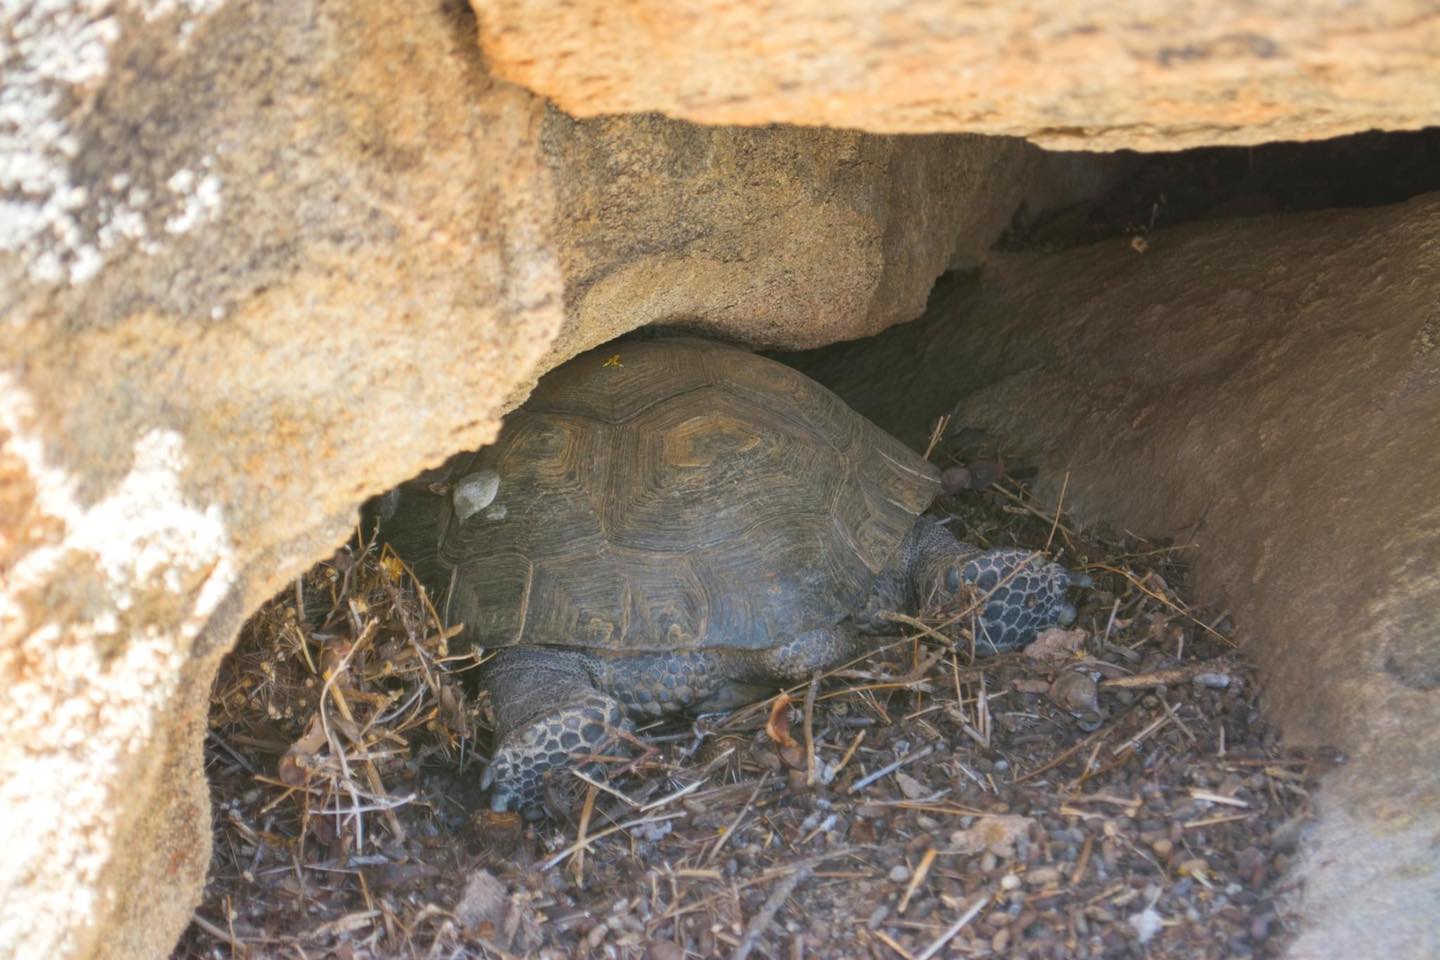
[550,714]
[1019,592]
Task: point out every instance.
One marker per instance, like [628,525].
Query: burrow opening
[1120,792]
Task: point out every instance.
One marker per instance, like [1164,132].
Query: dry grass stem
[345,730]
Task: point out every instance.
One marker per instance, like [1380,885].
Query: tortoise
[682,527]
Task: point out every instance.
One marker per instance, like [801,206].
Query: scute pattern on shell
[690,494]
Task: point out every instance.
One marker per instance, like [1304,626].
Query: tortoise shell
[662,495]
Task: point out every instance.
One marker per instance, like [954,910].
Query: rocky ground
[1111,791]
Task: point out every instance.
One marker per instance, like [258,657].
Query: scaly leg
[550,715]
[1020,592]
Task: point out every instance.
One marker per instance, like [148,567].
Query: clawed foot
[568,737]
[1020,594]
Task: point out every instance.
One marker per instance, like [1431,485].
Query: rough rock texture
[224,232]
[259,261]
[1269,391]
[1160,74]
[788,237]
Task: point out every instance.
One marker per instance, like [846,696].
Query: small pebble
[1163,848]
[664,950]
[899,873]
[1146,924]
[1042,876]
[1009,882]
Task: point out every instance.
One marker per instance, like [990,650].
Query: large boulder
[1155,75]
[1267,392]
[261,260]
[244,248]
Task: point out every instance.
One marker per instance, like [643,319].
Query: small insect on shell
[475,492]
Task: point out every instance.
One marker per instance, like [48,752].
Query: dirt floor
[1109,792]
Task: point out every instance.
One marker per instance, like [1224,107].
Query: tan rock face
[1268,391]
[259,261]
[223,237]
[1158,75]
[785,237]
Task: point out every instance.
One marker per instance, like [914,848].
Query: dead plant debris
[1110,793]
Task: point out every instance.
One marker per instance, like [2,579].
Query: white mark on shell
[474,493]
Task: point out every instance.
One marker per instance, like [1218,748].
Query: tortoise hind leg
[549,713]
